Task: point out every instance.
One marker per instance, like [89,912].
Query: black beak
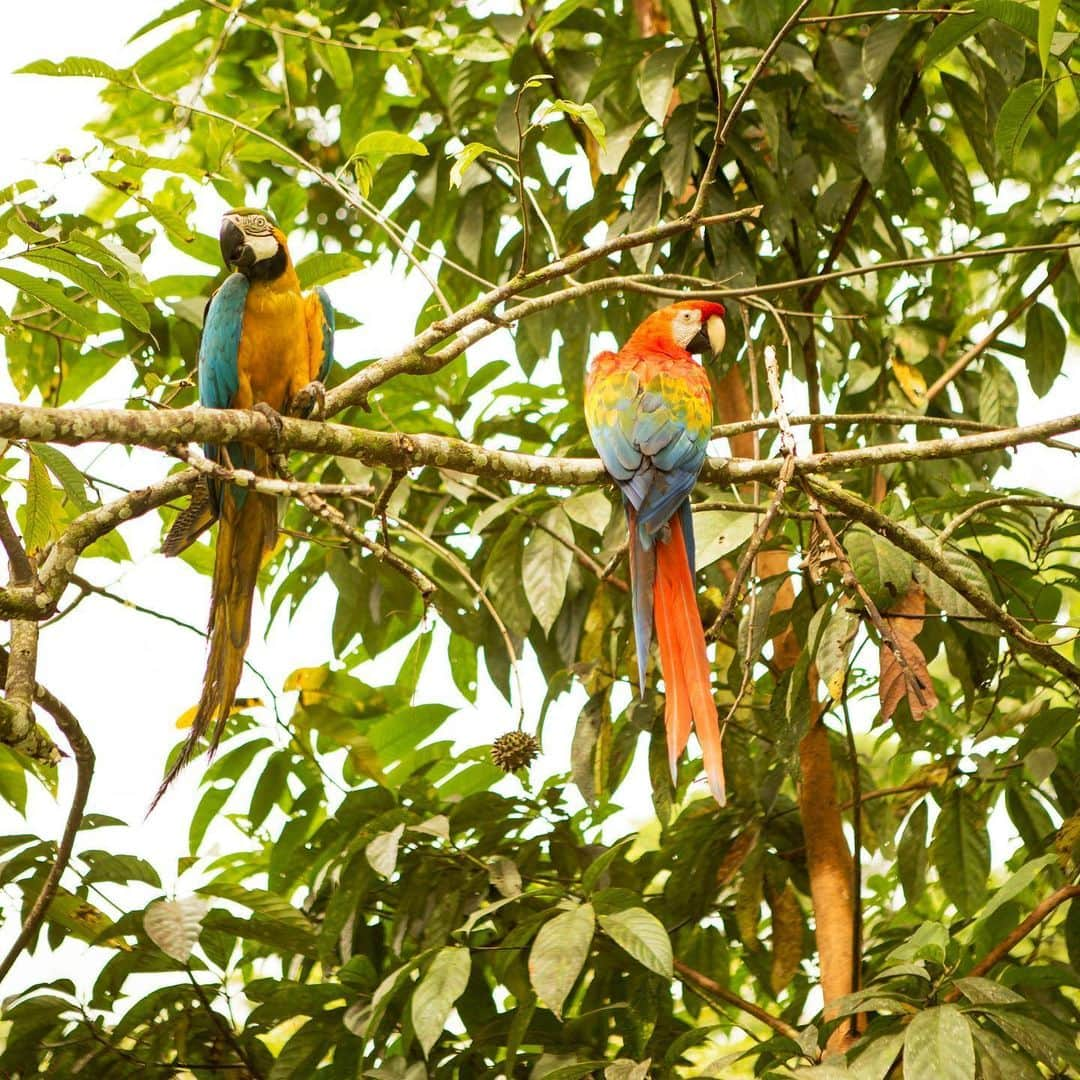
[699,343]
[234,247]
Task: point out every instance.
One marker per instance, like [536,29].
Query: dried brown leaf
[905,620]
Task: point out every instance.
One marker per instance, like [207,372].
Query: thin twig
[707,987]
[1012,939]
[1014,313]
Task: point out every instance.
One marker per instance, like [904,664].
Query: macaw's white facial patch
[685,326]
[264,245]
[717,334]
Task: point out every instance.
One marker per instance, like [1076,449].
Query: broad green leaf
[71,480]
[465,158]
[911,854]
[555,16]
[998,396]
[326,266]
[50,294]
[1048,11]
[882,569]
[591,509]
[384,144]
[79,66]
[111,292]
[39,506]
[834,649]
[545,566]
[938,1043]
[947,599]
[1012,888]
[559,953]
[587,114]
[961,851]
[656,81]
[718,532]
[1044,348]
[1016,117]
[173,925]
[434,997]
[878,1058]
[382,852]
[643,936]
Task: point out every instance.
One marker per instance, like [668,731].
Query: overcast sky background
[126,676]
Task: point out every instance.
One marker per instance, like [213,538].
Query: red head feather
[663,332]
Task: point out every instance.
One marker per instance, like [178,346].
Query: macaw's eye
[259,222]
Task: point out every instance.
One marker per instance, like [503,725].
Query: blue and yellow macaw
[265,346]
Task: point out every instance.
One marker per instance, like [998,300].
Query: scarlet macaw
[649,411]
[265,346]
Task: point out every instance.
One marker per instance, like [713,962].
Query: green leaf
[545,566]
[938,1043]
[952,174]
[557,15]
[436,993]
[50,294]
[173,925]
[883,570]
[911,854]
[78,66]
[62,467]
[718,532]
[643,936]
[465,158]
[947,599]
[656,81]
[961,851]
[382,852]
[1012,888]
[1016,117]
[39,506]
[590,509]
[114,294]
[586,113]
[949,33]
[558,954]
[998,396]
[834,649]
[1044,348]
[326,266]
[384,144]
[1048,12]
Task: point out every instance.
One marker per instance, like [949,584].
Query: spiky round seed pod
[514,750]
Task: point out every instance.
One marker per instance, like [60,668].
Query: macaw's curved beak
[710,338]
[235,249]
[717,332]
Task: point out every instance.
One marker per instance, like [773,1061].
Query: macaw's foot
[309,402]
[273,416]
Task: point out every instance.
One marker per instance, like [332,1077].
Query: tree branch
[707,987]
[984,343]
[1011,940]
[934,560]
[83,753]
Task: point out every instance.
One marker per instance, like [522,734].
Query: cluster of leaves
[425,921]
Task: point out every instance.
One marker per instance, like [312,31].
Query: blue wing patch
[218,369]
[327,333]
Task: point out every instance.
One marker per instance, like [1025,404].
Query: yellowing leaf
[240,705]
[911,382]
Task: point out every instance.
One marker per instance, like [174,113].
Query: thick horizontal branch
[168,430]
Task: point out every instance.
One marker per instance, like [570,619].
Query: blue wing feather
[328,333]
[219,376]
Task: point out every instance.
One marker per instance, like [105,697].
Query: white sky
[128,676]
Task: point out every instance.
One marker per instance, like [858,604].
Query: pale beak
[717,334]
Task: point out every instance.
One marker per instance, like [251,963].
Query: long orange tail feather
[684,661]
